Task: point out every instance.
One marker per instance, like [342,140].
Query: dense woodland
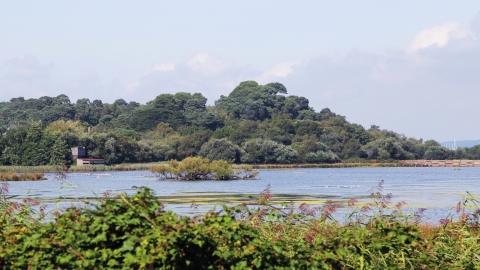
[253,124]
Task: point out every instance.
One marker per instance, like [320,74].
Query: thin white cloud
[277,72]
[164,67]
[206,64]
[438,36]
[203,73]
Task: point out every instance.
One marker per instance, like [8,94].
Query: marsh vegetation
[137,232]
[195,168]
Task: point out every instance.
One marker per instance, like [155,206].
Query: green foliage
[60,153]
[220,150]
[12,144]
[16,217]
[246,129]
[436,152]
[267,151]
[31,155]
[148,118]
[252,101]
[224,132]
[178,125]
[135,232]
[195,168]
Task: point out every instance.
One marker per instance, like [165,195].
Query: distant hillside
[254,124]
[464,143]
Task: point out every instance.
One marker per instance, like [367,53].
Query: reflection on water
[438,189]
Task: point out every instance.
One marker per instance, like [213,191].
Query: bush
[196,168]
[136,233]
[320,157]
[220,149]
[267,151]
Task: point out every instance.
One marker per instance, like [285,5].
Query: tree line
[253,124]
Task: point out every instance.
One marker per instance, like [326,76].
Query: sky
[408,66]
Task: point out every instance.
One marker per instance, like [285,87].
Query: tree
[255,110]
[165,101]
[60,153]
[13,146]
[147,118]
[436,153]
[82,110]
[220,149]
[294,104]
[309,128]
[267,151]
[431,143]
[247,129]
[32,154]
[249,100]
[110,151]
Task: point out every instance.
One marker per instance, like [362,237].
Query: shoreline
[147,166]
[325,165]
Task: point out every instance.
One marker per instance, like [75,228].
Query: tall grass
[328,165]
[22,176]
[375,235]
[147,166]
[83,168]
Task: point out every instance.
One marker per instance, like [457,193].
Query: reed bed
[116,167]
[147,166]
[22,177]
[327,165]
[84,168]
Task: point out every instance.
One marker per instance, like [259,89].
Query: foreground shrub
[135,232]
[196,168]
[17,217]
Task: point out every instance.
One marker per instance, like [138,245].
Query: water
[438,189]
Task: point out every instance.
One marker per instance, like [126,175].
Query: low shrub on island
[22,176]
[196,168]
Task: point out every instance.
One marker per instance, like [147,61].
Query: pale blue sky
[409,66]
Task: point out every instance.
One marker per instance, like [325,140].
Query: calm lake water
[438,189]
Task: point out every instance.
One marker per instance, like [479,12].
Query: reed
[84,168]
[147,166]
[327,165]
[116,167]
[22,177]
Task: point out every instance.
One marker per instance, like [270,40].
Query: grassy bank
[147,166]
[84,168]
[328,165]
